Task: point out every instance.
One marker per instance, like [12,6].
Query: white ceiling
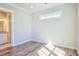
[36,6]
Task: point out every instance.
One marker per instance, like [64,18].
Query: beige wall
[61,31]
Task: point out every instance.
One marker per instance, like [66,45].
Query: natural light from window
[59,52]
[50,50]
[52,15]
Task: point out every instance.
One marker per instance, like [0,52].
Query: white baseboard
[22,42]
[56,44]
[71,47]
[41,41]
[46,42]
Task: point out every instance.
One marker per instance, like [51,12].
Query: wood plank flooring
[39,49]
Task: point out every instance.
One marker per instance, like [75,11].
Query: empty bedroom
[39,29]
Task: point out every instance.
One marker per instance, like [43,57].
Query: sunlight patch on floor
[50,46]
[59,52]
[43,52]
[50,49]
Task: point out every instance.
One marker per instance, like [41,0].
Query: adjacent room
[39,29]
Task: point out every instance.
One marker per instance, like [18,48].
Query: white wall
[21,25]
[61,31]
[78,27]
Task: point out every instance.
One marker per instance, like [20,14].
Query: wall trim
[66,46]
[12,19]
[56,44]
[22,42]
[37,40]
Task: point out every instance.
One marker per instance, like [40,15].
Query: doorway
[5,28]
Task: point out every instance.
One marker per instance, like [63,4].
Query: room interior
[39,29]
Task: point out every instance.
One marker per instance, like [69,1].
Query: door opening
[5,29]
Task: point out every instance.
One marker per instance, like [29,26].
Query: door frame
[10,38]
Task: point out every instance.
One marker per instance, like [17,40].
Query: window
[53,15]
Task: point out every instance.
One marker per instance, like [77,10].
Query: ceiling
[34,7]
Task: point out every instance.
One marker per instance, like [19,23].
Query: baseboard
[39,41]
[22,42]
[61,45]
[45,43]
[65,46]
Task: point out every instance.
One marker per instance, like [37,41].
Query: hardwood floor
[38,49]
